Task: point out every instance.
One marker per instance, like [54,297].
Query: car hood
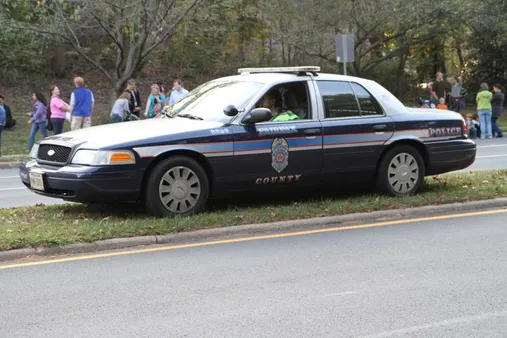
[438,114]
[130,132]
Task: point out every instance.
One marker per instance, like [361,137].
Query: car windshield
[207,102]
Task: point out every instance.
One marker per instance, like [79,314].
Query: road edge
[9,165]
[254,229]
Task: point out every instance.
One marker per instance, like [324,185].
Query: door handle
[312,131]
[380,127]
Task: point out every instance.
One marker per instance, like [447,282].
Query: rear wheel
[401,171]
[177,186]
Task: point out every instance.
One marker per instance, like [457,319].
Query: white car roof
[387,100]
[268,78]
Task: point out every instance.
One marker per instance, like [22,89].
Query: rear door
[355,129]
[284,153]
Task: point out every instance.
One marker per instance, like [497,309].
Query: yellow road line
[254,238]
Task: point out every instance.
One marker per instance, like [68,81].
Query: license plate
[36,181]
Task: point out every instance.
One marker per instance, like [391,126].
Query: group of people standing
[490,104]
[129,102]
[446,93]
[489,108]
[51,116]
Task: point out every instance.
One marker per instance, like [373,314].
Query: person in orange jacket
[441,104]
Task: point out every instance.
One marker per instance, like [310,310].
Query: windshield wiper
[189,116]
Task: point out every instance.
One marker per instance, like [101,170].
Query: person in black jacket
[135,97]
[497,103]
[9,121]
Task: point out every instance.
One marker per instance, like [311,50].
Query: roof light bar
[309,69]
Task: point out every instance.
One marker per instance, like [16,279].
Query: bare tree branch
[395,53]
[74,41]
[170,29]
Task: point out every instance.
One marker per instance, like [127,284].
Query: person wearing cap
[81,102]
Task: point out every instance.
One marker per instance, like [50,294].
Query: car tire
[177,186]
[401,171]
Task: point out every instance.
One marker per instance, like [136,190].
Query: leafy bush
[22,53]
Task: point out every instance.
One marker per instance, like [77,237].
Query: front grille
[53,153]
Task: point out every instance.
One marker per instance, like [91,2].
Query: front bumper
[85,184]
[450,156]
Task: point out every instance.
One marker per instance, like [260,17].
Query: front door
[283,153]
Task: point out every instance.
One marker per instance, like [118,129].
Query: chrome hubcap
[179,190]
[403,173]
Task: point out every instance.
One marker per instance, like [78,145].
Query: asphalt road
[440,278]
[14,194]
[492,154]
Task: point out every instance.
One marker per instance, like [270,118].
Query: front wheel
[401,171]
[177,186]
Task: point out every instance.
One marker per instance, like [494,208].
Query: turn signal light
[120,157]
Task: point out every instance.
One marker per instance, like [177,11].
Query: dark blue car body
[321,148]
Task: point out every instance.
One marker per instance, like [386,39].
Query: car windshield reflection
[208,101]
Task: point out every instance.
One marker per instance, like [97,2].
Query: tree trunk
[400,77]
[118,88]
[460,58]
[271,52]
[284,60]
[356,67]
[59,62]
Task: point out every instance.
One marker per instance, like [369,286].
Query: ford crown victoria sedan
[227,136]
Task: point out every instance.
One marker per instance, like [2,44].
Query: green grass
[45,226]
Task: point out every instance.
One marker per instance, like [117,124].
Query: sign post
[345,51]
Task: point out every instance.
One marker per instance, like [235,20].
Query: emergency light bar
[308,69]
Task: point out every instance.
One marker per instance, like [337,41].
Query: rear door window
[368,105]
[339,99]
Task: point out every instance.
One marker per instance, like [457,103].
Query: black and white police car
[219,139]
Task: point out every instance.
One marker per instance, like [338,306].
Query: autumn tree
[128,30]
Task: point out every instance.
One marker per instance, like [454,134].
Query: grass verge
[45,226]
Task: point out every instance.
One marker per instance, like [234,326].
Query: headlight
[103,157]
[34,151]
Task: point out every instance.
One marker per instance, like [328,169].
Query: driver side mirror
[258,115]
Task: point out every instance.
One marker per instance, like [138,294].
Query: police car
[223,138]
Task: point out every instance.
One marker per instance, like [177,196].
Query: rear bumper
[450,156]
[85,184]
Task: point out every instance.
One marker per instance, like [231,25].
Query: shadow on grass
[273,199]
[71,223]
[239,201]
[360,198]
